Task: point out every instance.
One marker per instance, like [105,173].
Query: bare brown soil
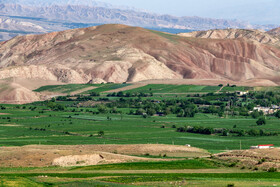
[82,90]
[81,155]
[213,82]
[260,158]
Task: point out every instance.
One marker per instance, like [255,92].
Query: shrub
[272,169]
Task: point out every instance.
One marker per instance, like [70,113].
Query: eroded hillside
[119,53]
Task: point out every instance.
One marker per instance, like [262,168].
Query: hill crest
[120,53]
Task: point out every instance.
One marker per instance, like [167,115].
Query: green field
[64,88]
[107,87]
[122,129]
[152,114]
[173,89]
[238,88]
[164,165]
[69,88]
[154,179]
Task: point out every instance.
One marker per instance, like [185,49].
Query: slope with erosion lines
[119,53]
[253,35]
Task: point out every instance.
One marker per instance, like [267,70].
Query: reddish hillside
[252,35]
[118,53]
[275,32]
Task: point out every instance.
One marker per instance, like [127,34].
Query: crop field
[238,88]
[64,88]
[118,179]
[23,127]
[159,88]
[170,165]
[69,88]
[107,87]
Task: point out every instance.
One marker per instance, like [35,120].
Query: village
[267,110]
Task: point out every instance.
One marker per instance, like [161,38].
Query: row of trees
[225,132]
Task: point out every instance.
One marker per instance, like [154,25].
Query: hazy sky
[256,11]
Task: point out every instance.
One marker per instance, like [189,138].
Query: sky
[253,11]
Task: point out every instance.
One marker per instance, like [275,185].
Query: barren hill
[275,32]
[253,35]
[119,53]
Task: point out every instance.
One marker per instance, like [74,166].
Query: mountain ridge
[269,37]
[104,14]
[120,53]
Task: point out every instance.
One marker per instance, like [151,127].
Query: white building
[240,93]
[267,146]
[266,110]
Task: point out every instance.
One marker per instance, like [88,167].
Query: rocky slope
[253,35]
[10,28]
[119,53]
[275,32]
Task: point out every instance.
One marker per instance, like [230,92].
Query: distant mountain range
[58,15]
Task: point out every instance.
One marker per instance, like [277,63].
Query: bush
[272,169]
[101,133]
[232,164]
[261,121]
[230,185]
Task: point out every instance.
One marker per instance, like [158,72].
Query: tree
[102,108]
[261,121]
[277,114]
[255,114]
[151,111]
[101,133]
[225,133]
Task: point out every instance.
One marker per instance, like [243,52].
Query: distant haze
[254,11]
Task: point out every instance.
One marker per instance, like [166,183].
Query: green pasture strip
[107,87]
[128,176]
[163,165]
[238,88]
[202,176]
[65,88]
[161,88]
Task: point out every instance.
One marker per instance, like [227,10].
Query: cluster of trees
[55,106]
[128,94]
[225,132]
[196,129]
[2,108]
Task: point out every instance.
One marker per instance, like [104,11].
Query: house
[266,110]
[275,107]
[240,93]
[267,146]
